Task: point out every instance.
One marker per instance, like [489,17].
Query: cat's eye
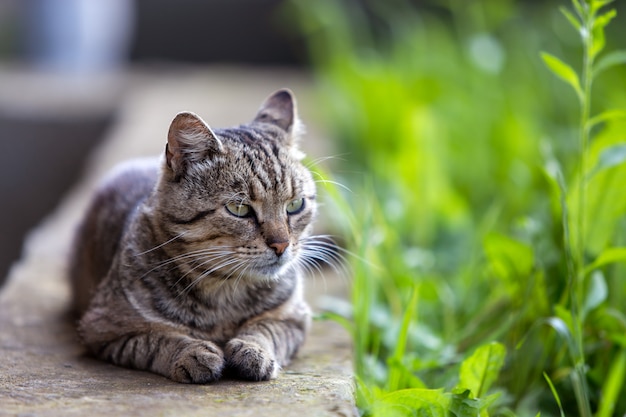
[239,209]
[295,206]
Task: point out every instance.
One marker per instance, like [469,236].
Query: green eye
[295,206]
[238,209]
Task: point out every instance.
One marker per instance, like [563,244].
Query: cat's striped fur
[191,265]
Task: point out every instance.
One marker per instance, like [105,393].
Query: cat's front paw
[199,362]
[250,360]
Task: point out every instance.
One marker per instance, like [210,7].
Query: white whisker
[202,264]
[321,250]
[162,244]
[208,272]
[323,240]
[338,184]
[317,161]
[187,258]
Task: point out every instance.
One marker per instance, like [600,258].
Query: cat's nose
[279,247]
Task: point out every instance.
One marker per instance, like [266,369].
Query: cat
[191,265]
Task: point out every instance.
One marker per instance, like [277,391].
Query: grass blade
[396,372]
[613,385]
[554,393]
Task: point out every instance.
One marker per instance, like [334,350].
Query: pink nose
[279,247]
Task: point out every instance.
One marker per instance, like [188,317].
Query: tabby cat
[190,266]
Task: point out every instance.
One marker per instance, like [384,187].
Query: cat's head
[237,202]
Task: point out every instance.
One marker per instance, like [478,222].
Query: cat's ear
[279,109]
[189,140]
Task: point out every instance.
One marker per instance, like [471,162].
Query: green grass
[492,211]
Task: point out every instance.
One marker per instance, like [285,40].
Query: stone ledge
[43,370]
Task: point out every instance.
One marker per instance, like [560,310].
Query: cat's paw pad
[198,363]
[251,361]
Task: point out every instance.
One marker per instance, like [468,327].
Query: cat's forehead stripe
[276,163]
[263,157]
[253,165]
[269,170]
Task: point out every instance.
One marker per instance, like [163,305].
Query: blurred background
[460,147]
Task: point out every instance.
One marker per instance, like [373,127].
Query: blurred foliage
[477,216]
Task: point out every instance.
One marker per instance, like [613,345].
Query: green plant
[590,22]
[480,221]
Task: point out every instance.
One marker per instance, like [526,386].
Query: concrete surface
[43,370]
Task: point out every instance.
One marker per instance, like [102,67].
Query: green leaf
[563,71]
[598,31]
[609,60]
[606,116]
[413,402]
[562,323]
[462,405]
[570,17]
[596,294]
[610,157]
[611,255]
[604,19]
[579,8]
[479,371]
[598,4]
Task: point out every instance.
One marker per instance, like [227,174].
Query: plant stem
[577,287]
[587,79]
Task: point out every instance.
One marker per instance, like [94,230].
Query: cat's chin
[273,272]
